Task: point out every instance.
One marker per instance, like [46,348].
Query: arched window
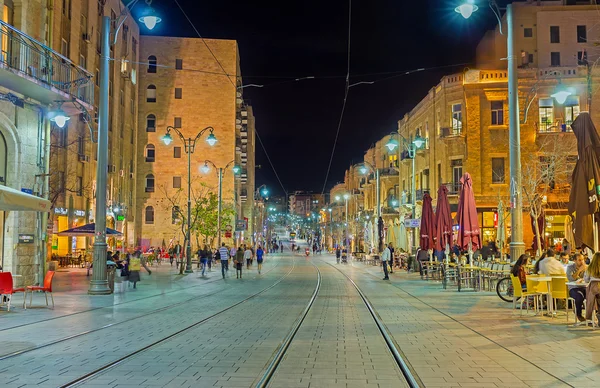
[150,153]
[149,215]
[149,183]
[152,64]
[151,93]
[150,123]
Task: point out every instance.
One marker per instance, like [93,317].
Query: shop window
[149,216]
[149,183]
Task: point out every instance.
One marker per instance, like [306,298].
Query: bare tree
[546,176]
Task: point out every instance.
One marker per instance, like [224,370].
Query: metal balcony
[30,68]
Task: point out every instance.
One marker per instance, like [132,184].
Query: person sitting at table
[518,270]
[575,271]
[564,258]
[592,295]
[550,265]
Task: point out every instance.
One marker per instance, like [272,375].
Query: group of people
[130,266]
[576,268]
[243,254]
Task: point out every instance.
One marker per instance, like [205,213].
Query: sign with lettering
[240,225]
[27,191]
[26,238]
[412,222]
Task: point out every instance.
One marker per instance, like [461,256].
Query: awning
[88,230]
[15,200]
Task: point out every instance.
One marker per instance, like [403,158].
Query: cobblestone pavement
[338,344]
[449,339]
[475,339]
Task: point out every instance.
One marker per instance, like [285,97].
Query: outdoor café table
[469,271]
[431,267]
[548,280]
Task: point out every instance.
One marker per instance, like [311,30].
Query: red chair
[6,288]
[47,288]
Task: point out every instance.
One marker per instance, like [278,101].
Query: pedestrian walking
[239,262]
[259,258]
[177,252]
[338,254]
[224,256]
[204,255]
[281,248]
[391,247]
[248,257]
[171,255]
[385,258]
[135,266]
[144,261]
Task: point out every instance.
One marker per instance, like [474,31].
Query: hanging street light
[466,9]
[562,93]
[149,17]
[59,117]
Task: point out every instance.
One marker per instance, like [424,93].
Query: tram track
[101,370]
[104,327]
[120,304]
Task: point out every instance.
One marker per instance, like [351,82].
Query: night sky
[282,41]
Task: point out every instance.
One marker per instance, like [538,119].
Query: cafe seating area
[7,290]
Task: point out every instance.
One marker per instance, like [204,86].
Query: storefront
[554,232]
[62,245]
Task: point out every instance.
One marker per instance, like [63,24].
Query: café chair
[560,291]
[6,288]
[519,294]
[46,289]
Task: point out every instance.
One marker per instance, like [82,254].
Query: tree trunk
[537,236]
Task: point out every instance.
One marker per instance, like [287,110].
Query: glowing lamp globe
[211,139]
[205,169]
[167,138]
[466,9]
[60,118]
[392,144]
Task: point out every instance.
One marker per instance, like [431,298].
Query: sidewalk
[467,338]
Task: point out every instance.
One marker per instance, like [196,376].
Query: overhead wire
[234,85]
[346,90]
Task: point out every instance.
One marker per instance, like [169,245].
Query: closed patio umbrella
[87,231]
[501,229]
[468,222]
[402,236]
[585,187]
[541,227]
[427,224]
[569,230]
[443,220]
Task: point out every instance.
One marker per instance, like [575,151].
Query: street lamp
[99,281]
[517,246]
[206,169]
[364,170]
[59,117]
[412,147]
[346,198]
[190,147]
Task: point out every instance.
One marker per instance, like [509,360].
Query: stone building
[184,87]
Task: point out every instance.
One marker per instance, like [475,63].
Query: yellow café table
[548,281]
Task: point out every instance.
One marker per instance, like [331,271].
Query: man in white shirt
[248,256]
[551,265]
[385,257]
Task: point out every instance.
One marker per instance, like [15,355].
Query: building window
[175,215]
[150,153]
[571,109]
[546,114]
[179,64]
[439,174]
[60,187]
[581,34]
[149,215]
[497,108]
[554,34]
[457,172]
[582,58]
[176,182]
[498,175]
[79,186]
[80,146]
[530,58]
[152,62]
[456,119]
[528,32]
[97,77]
[134,47]
[64,48]
[151,93]
[438,124]
[151,123]
[426,135]
[131,106]
[177,122]
[554,58]
[178,93]
[82,61]
[149,183]
[177,152]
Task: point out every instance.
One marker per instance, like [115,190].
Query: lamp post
[262,193]
[346,198]
[330,227]
[412,147]
[190,147]
[220,170]
[99,281]
[365,170]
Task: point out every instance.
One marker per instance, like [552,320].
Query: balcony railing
[453,188]
[557,125]
[31,60]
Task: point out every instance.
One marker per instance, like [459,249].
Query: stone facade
[182,90]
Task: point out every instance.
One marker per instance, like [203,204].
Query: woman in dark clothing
[519,270]
[536,267]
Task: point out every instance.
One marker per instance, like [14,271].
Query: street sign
[26,238]
[27,191]
[240,225]
[412,222]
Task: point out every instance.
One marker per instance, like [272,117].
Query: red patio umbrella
[427,224]
[468,222]
[443,220]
